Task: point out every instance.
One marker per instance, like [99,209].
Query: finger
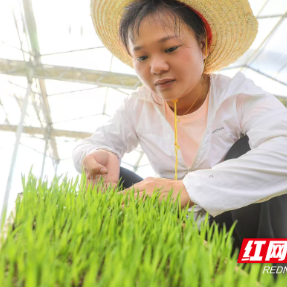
[92,166]
[144,184]
[136,194]
[126,190]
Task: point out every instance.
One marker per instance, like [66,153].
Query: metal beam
[273,79]
[260,49]
[30,23]
[19,130]
[262,7]
[46,138]
[6,115]
[272,16]
[70,74]
[283,100]
[41,131]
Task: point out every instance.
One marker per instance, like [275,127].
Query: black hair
[136,11]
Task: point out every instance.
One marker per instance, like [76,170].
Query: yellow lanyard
[176,146]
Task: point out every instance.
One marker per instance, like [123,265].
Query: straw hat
[230,24]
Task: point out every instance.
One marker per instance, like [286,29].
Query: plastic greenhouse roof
[60,36]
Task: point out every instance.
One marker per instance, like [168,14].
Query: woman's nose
[159,65]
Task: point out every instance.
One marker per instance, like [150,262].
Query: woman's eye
[140,59]
[171,49]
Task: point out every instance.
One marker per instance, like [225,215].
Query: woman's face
[158,54]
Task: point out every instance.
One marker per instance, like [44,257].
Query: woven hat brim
[233,26]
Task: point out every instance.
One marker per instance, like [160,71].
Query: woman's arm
[256,176]
[117,136]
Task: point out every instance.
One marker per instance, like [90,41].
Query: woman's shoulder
[239,84]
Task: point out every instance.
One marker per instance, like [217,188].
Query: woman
[188,120]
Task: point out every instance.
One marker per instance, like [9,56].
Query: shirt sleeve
[117,135]
[256,176]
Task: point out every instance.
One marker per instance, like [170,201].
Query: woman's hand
[150,183]
[102,163]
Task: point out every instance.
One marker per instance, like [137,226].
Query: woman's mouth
[165,85]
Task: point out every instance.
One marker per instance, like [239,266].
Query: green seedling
[68,234]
